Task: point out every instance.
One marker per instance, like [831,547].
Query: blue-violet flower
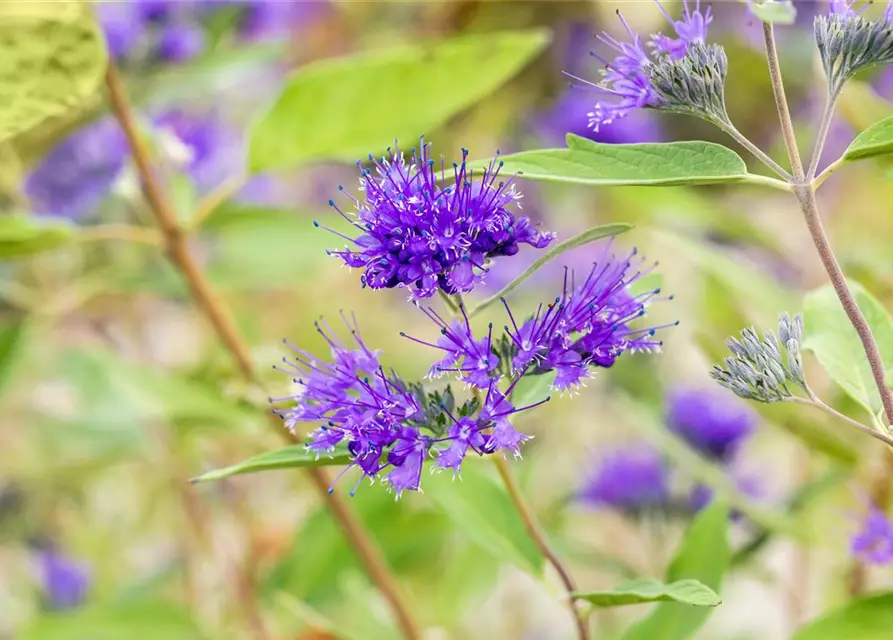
[712,421]
[632,479]
[65,582]
[420,230]
[874,543]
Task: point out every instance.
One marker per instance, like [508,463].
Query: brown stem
[223,324]
[781,103]
[539,538]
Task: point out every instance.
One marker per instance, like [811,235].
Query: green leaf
[777,11]
[836,345]
[869,618]
[345,108]
[291,457]
[22,235]
[874,141]
[600,164]
[52,58]
[481,509]
[590,235]
[643,590]
[703,556]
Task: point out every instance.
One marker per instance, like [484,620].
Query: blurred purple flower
[65,582]
[874,542]
[273,18]
[712,421]
[180,42]
[74,177]
[569,115]
[632,479]
[424,230]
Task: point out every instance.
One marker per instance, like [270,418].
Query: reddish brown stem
[219,317]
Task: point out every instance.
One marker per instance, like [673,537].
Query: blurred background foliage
[115,391]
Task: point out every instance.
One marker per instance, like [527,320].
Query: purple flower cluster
[589,325]
[75,176]
[419,230]
[625,79]
[874,543]
[65,582]
[390,427]
[632,479]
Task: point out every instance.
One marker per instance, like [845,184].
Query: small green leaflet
[292,457]
[777,11]
[22,235]
[643,590]
[874,141]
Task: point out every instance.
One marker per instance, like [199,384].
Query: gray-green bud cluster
[694,84]
[764,370]
[848,43]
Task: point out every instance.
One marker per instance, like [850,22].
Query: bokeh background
[115,390]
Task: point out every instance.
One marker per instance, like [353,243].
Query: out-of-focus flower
[631,479]
[420,229]
[712,421]
[390,427]
[123,26]
[74,177]
[588,325]
[626,79]
[874,542]
[274,18]
[702,495]
[77,174]
[65,582]
[180,42]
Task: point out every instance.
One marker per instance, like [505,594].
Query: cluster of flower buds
[762,369]
[848,42]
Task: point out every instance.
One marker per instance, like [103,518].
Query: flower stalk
[222,322]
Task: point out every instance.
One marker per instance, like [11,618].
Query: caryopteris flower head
[848,42]
[874,542]
[391,427]
[422,229]
[589,325]
[65,581]
[631,479]
[711,421]
[762,369]
[627,79]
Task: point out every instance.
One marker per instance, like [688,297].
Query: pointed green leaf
[777,11]
[869,618]
[22,235]
[703,555]
[599,164]
[874,141]
[590,235]
[52,58]
[288,458]
[343,109]
[836,345]
[643,590]
[481,509]
[12,335]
